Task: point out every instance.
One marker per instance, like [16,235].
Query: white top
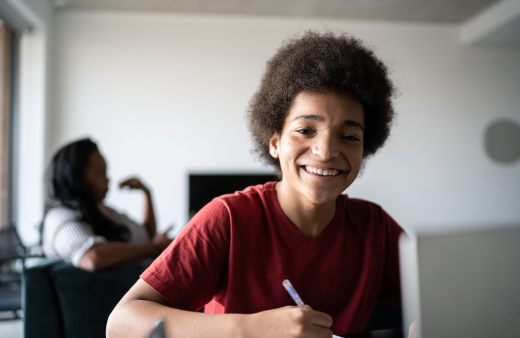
[66,237]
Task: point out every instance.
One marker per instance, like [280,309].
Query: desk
[392,333]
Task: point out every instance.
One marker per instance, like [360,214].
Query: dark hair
[66,186]
[322,62]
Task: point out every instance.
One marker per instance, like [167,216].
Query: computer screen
[204,187]
[462,283]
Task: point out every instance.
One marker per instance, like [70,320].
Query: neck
[310,218]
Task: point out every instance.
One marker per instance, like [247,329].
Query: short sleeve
[67,238]
[192,269]
[73,239]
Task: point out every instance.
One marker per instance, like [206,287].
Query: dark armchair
[60,300]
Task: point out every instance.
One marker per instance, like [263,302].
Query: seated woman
[79,228]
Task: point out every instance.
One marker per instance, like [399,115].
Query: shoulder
[61,219]
[367,213]
[250,198]
[231,210]
[357,206]
[64,232]
[61,214]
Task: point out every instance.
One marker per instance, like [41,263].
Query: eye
[306,131]
[350,137]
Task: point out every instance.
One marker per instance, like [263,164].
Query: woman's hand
[133,183]
[148,210]
[289,321]
[161,241]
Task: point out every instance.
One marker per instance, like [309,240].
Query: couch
[61,301]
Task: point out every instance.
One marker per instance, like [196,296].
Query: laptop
[462,281]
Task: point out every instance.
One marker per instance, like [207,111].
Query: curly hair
[321,62]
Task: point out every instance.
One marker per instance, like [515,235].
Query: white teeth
[321,172]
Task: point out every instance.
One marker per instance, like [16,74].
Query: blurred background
[163,87]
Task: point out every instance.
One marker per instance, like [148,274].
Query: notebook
[462,281]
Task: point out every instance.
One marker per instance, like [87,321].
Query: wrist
[239,325]
[146,191]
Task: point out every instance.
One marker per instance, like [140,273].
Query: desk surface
[393,333]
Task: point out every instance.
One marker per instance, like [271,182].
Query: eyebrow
[350,123]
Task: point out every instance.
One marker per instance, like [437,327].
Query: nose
[325,147]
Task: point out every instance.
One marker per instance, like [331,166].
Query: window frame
[8,117]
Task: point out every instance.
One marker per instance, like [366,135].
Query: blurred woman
[79,228]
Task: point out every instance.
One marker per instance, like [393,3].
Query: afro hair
[322,62]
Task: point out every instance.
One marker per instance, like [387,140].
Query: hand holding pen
[296,297]
[287,322]
[292,292]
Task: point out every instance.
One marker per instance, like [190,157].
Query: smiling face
[320,148]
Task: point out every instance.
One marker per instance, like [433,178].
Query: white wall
[165,95]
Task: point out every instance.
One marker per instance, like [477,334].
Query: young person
[323,106]
[79,228]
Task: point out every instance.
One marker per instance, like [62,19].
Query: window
[6,66]
[12,25]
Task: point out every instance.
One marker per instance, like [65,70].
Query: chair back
[76,303]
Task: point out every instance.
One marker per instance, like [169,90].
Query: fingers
[320,319]
[319,332]
[290,321]
[169,228]
[132,183]
[310,323]
[127,182]
[316,318]
[162,238]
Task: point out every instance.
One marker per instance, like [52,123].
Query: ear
[274,143]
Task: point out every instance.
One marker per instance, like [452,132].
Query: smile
[322,171]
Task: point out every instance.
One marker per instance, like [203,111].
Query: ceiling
[495,22]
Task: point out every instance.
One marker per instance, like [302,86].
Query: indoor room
[164,87]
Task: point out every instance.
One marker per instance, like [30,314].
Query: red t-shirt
[236,251]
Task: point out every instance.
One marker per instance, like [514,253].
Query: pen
[292,292]
[295,296]
[158,330]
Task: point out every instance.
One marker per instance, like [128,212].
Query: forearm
[142,306]
[135,318]
[107,254]
[149,214]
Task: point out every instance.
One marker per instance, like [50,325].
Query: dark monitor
[204,187]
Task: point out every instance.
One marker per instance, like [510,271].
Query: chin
[101,198]
[320,198]
[326,191]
